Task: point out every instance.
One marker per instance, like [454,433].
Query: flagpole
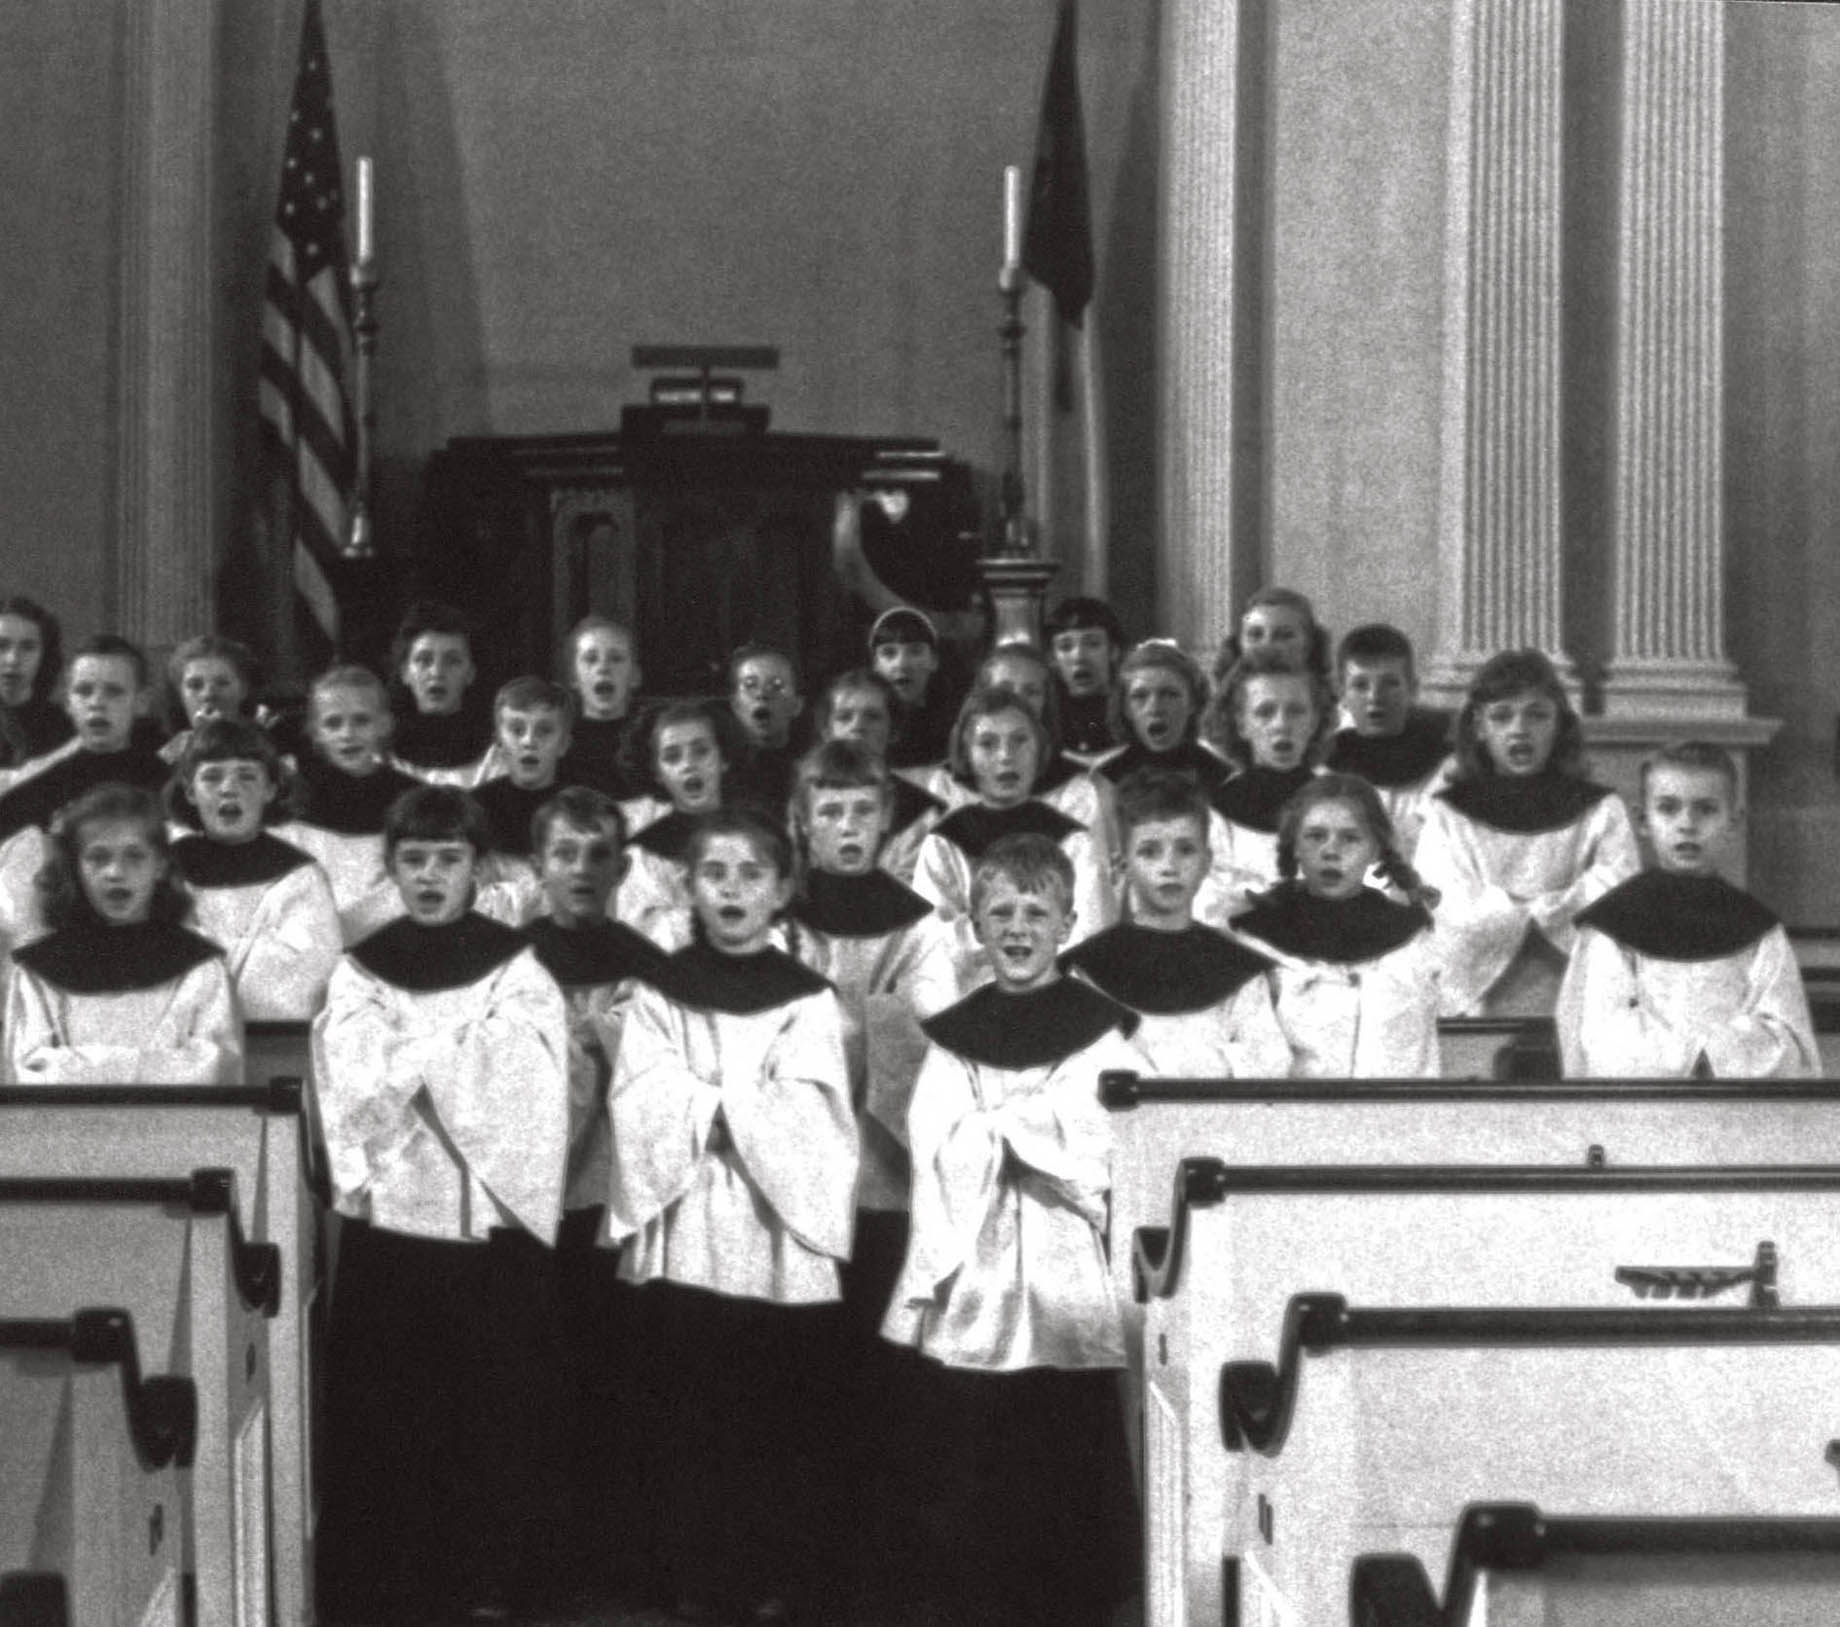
[1015,576]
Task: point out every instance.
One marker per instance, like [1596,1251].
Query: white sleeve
[942,876]
[366,1075]
[1397,1033]
[283,964]
[1607,1030]
[1610,856]
[1255,1044]
[662,1108]
[958,1165]
[1479,926]
[196,1039]
[1772,1037]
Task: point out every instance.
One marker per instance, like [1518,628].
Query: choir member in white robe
[688,746]
[443,736]
[1518,843]
[1156,710]
[858,707]
[119,992]
[263,900]
[1006,1283]
[440,1077]
[734,1179]
[1675,971]
[1355,980]
[343,791]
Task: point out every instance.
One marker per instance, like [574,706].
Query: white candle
[367,218]
[1012,217]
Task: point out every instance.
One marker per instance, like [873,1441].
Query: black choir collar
[911,804]
[33,801]
[1524,805]
[97,958]
[705,979]
[1344,931]
[976,825]
[866,906]
[1165,973]
[205,863]
[1255,796]
[349,804]
[1190,757]
[1086,722]
[423,959]
[509,808]
[441,739]
[1674,917]
[600,952]
[1393,761]
[668,836]
[1032,1030]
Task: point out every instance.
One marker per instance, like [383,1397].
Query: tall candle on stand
[1012,221]
[367,218]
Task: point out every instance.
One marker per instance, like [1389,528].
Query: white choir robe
[1243,839]
[653,898]
[1066,784]
[887,981]
[1006,1264]
[763,1208]
[942,875]
[1366,1008]
[280,937]
[362,891]
[1496,887]
[1624,1015]
[916,812]
[445,1110]
[22,856]
[1202,1002]
[182,1030]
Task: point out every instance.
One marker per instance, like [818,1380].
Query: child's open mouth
[603,690]
[733,914]
[229,813]
[1156,731]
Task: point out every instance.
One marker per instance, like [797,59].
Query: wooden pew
[91,1512]
[1243,1240]
[171,1252]
[258,1133]
[1512,1564]
[1374,1427]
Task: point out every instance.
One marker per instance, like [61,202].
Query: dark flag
[1057,247]
[306,336]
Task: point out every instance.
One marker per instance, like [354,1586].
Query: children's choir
[709,1090]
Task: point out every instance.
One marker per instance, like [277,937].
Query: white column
[1499,530]
[1668,655]
[167,503]
[1200,78]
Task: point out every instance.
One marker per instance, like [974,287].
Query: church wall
[1354,193]
[1782,486]
[60,83]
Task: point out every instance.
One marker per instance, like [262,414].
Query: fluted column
[1200,79]
[1499,531]
[167,505]
[1668,655]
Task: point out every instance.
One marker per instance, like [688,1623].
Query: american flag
[306,333]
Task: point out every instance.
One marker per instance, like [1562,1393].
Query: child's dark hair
[1352,789]
[62,898]
[581,808]
[427,616]
[1160,655]
[638,750]
[1149,795]
[113,644]
[754,650]
[856,678]
[1031,863]
[769,840]
[1221,724]
[1501,677]
[986,701]
[1071,615]
[224,740]
[50,640]
[1316,647]
[1375,641]
[436,813]
[1700,756]
[532,694]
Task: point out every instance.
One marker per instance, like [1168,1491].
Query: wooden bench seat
[91,1512]
[257,1132]
[171,1253]
[1515,1566]
[1242,1240]
[1373,1427]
